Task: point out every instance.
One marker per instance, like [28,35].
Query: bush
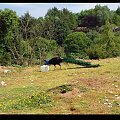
[76,43]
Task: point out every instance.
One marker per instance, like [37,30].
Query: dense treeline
[27,40]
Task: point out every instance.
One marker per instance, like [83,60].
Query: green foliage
[90,21]
[95,49]
[103,13]
[58,24]
[116,103]
[61,89]
[8,20]
[109,40]
[118,10]
[116,19]
[99,15]
[84,13]
[76,43]
[5,58]
[9,24]
[27,40]
[28,26]
[50,46]
[65,88]
[104,44]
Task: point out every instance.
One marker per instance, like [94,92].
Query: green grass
[30,91]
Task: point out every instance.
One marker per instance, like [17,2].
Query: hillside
[72,90]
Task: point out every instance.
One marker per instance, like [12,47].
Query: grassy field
[72,90]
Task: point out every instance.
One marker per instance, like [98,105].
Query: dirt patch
[7,69]
[67,91]
[1,68]
[93,82]
[73,93]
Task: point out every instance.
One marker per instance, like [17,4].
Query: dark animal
[54,61]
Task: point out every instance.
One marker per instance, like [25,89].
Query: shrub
[76,43]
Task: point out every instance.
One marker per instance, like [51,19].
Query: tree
[45,48]
[84,13]
[95,49]
[58,24]
[103,13]
[99,14]
[118,10]
[49,28]
[89,21]
[27,25]
[76,43]
[104,44]
[61,31]
[116,19]
[31,29]
[109,40]
[9,25]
